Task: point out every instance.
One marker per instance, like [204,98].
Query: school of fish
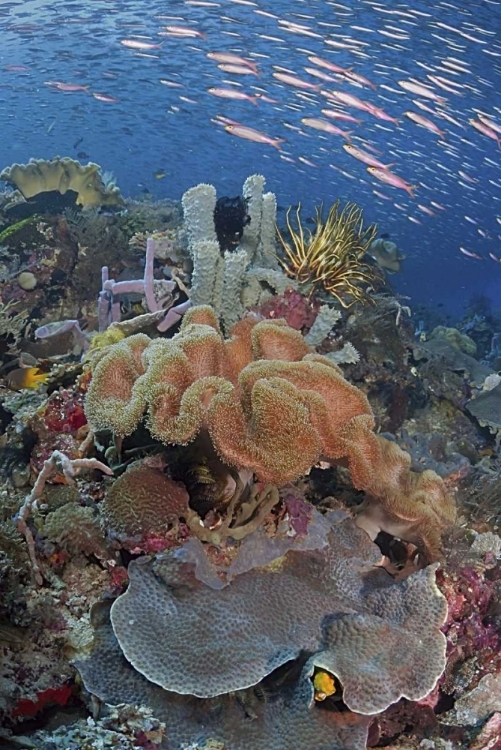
[398,104]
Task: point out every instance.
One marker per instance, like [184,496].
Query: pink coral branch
[149,290]
[173,316]
[69,467]
[109,308]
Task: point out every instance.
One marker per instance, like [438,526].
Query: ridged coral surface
[381,639]
[142,502]
[251,723]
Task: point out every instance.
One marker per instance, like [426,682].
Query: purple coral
[109,306]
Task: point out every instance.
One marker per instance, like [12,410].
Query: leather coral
[268,403]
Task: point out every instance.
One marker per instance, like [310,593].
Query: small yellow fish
[159,175]
[26,377]
[324,685]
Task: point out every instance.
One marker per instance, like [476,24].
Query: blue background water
[155,128]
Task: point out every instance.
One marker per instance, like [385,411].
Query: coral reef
[331,598]
[232,280]
[192,722]
[97,236]
[158,295]
[308,584]
[12,323]
[456,339]
[261,526]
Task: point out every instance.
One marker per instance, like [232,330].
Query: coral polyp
[332,256]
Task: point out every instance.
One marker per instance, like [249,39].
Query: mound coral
[331,257]
[142,504]
[268,404]
[63,174]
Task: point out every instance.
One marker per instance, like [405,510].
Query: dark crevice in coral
[444,703]
[230,218]
[394,549]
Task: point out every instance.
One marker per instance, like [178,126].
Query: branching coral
[241,517]
[12,323]
[331,257]
[268,405]
[69,468]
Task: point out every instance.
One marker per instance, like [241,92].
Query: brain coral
[268,404]
[381,638]
[142,503]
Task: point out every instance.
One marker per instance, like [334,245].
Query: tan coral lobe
[269,405]
[61,175]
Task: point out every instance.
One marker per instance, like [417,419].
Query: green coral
[76,529]
[7,233]
[455,338]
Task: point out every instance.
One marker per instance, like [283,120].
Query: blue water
[154,127]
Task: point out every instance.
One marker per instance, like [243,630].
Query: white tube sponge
[206,258]
[199,203]
[326,319]
[262,283]
[217,296]
[235,266]
[268,247]
[253,193]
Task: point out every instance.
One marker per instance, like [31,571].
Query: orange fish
[389,178]
[26,377]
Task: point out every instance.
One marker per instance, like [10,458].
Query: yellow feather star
[332,255]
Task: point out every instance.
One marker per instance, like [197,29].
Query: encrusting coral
[63,174]
[222,722]
[329,607]
[321,602]
[269,406]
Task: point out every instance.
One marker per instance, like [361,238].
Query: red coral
[27,708]
[119,579]
[298,311]
[468,630]
[64,412]
[50,442]
[142,740]
[58,426]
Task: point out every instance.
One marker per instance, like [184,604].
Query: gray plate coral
[333,608]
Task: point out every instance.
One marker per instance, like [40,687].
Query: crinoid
[331,257]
